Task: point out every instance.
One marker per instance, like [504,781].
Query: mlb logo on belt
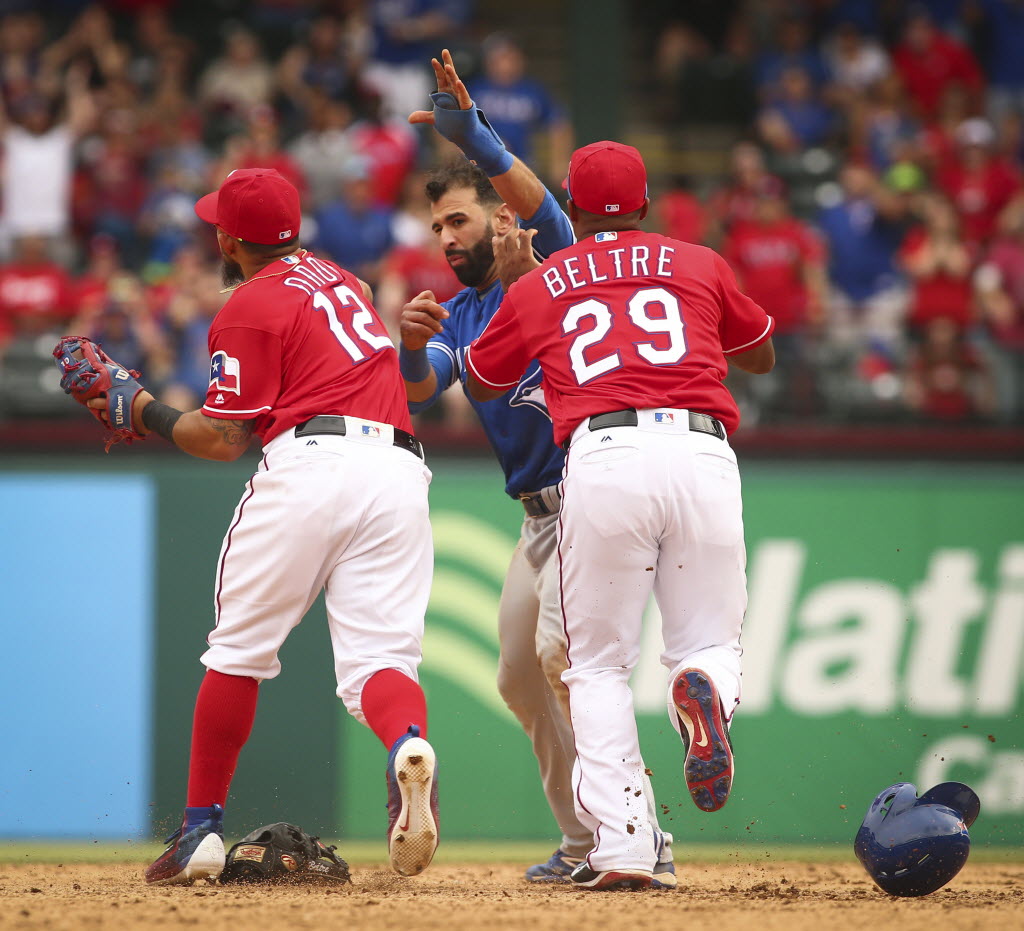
[664,417]
[225,373]
[369,430]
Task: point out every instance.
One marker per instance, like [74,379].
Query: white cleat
[412,805]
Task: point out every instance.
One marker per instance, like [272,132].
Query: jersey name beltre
[632,262]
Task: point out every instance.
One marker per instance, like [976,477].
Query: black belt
[333,425]
[546,501]
[699,423]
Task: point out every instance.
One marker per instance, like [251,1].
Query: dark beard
[479,260]
[231,272]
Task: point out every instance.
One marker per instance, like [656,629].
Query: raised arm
[457,118]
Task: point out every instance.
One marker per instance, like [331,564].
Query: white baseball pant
[652,507]
[530,667]
[343,513]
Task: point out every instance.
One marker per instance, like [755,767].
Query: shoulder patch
[225,373]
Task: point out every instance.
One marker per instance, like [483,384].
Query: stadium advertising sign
[884,641]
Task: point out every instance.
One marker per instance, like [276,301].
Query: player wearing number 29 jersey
[300,339]
[644,322]
[632,332]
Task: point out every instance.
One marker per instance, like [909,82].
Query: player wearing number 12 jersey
[632,332]
[300,359]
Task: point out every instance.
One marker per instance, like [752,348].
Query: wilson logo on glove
[88,373]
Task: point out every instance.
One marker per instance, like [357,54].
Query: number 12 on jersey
[356,337]
[668,324]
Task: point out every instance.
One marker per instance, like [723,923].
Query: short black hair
[462,174]
[270,250]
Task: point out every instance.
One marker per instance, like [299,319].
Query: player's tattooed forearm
[234,432]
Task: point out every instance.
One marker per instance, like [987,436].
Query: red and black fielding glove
[87,372]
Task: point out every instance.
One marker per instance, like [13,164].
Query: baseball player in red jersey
[339,502]
[633,332]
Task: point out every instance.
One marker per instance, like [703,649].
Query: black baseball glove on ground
[283,853]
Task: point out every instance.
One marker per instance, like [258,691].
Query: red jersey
[979,196]
[623,319]
[297,340]
[928,73]
[939,294]
[769,260]
[33,297]
[422,268]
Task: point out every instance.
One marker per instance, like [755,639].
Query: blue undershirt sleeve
[554,231]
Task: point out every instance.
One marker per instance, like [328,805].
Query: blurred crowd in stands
[871,200]
[874,204]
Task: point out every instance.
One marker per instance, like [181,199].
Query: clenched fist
[421,319]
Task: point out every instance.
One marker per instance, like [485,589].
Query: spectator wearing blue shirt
[868,296]
[797,120]
[793,49]
[404,33]
[351,230]
[1003,60]
[519,107]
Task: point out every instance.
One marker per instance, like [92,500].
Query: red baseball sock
[391,702]
[225,710]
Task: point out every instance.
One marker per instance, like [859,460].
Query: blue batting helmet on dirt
[912,846]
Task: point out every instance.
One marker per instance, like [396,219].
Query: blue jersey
[517,424]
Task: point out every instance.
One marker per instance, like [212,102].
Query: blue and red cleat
[195,852]
[708,766]
[412,804]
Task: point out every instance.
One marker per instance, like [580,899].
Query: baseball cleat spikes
[584,877]
[708,767]
[191,855]
[412,804]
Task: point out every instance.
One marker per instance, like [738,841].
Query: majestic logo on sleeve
[225,373]
[530,393]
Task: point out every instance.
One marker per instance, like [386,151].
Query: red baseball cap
[256,205]
[607,178]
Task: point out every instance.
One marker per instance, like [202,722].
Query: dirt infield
[765,895]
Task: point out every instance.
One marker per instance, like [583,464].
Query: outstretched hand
[448,82]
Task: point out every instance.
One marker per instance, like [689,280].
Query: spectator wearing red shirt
[738,199]
[945,379]
[780,264]
[389,148]
[35,292]
[679,213]
[110,185]
[929,61]
[979,184]
[999,288]
[938,264]
[89,291]
[260,148]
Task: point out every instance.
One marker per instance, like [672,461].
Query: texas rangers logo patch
[225,373]
[530,393]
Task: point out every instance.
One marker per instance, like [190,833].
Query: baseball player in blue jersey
[473,207]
